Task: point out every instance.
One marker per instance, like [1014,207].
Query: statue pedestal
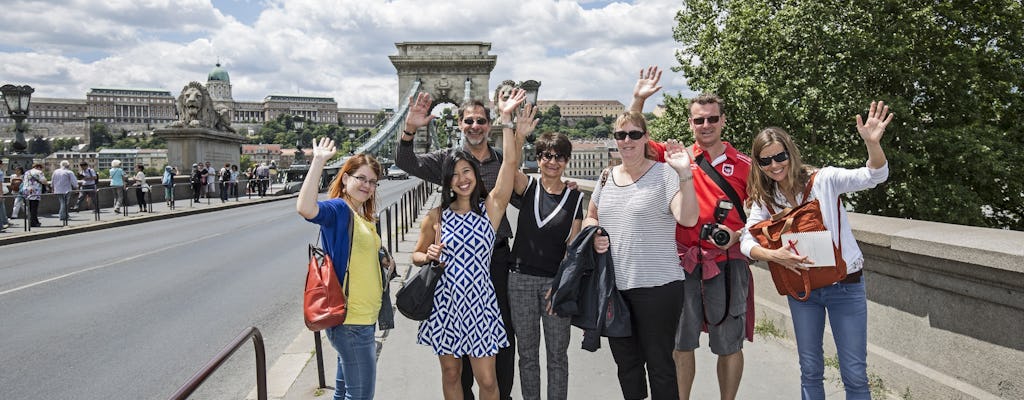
[18,160]
[186,146]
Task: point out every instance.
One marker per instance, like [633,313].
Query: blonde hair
[636,119]
[761,188]
[337,189]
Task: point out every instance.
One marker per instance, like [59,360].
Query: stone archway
[451,72]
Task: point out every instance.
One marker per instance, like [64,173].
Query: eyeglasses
[364,180]
[766,161]
[479,121]
[635,135]
[711,120]
[553,156]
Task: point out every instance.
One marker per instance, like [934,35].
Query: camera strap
[711,172]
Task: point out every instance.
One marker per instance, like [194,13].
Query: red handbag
[804,218]
[325,303]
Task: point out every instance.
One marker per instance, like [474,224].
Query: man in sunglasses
[475,123]
[718,295]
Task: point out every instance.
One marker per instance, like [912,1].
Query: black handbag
[415,300]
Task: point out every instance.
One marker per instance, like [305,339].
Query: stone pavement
[406,370]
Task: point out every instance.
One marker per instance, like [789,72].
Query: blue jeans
[846,306]
[357,361]
[63,198]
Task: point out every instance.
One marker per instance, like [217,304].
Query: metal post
[319,360]
[388,215]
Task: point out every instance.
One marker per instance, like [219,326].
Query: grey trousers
[529,308]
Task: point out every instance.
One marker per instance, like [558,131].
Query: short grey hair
[64,164]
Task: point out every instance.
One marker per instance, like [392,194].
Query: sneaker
[117,210]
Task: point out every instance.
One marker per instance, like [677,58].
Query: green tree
[39,145]
[673,124]
[951,73]
[99,135]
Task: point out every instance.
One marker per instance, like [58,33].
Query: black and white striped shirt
[641,227]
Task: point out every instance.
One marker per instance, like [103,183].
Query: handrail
[205,372]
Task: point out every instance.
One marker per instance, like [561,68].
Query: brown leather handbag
[804,218]
[325,303]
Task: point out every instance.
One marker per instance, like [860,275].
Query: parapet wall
[945,307]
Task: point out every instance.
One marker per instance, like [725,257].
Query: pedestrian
[64,182]
[550,215]
[466,321]
[168,182]
[234,181]
[205,176]
[197,179]
[718,289]
[639,204]
[87,192]
[211,179]
[141,187]
[3,202]
[225,182]
[19,199]
[779,182]
[351,240]
[475,124]
[117,176]
[32,189]
[262,179]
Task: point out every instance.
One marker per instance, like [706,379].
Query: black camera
[711,230]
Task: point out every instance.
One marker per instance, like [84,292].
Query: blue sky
[336,48]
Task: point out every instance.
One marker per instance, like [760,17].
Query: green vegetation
[766,327]
[951,74]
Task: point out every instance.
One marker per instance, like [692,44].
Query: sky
[579,50]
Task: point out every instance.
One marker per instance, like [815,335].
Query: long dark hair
[448,171]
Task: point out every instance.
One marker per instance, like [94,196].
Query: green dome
[219,74]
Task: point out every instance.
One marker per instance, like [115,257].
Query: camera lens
[720,237]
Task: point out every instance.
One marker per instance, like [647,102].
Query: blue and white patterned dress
[465,319]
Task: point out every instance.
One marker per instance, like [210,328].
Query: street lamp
[351,142]
[449,123]
[531,87]
[18,99]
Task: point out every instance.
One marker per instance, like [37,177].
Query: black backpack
[226,176]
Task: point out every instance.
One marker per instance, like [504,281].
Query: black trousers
[505,361]
[33,210]
[654,314]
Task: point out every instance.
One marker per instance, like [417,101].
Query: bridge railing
[261,365]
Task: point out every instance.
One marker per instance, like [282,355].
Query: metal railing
[397,218]
[205,372]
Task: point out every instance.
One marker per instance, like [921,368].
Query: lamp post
[351,142]
[531,87]
[449,123]
[17,99]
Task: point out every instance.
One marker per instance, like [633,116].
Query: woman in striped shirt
[639,206]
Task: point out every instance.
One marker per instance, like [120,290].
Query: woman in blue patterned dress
[465,320]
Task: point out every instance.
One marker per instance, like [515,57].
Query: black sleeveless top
[545,222]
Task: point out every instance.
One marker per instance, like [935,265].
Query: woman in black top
[550,215]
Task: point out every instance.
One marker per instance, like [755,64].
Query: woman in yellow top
[352,201]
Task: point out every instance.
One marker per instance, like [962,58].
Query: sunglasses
[711,120]
[553,156]
[635,135]
[479,121]
[766,161]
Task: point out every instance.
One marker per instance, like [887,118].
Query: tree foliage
[951,71]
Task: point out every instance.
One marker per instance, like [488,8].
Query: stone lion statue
[195,110]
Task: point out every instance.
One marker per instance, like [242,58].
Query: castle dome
[219,74]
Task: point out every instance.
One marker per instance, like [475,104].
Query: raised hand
[323,149]
[419,112]
[647,85]
[678,157]
[526,122]
[878,118]
[515,98]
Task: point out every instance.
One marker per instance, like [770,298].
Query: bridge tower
[447,70]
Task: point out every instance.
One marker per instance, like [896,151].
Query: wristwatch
[404,132]
[509,124]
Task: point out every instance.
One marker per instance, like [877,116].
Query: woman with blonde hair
[117,182]
[778,183]
[352,202]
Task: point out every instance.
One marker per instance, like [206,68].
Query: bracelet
[408,133]
[687,179]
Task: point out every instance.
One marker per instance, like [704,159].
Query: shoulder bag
[324,303]
[804,218]
[415,300]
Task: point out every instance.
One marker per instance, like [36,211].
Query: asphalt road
[133,312]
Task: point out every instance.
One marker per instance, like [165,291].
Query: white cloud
[579,50]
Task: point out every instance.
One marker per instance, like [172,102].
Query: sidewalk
[406,370]
[85,220]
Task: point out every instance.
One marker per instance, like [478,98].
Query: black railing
[261,365]
[404,213]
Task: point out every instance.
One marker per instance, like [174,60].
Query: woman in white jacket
[779,182]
